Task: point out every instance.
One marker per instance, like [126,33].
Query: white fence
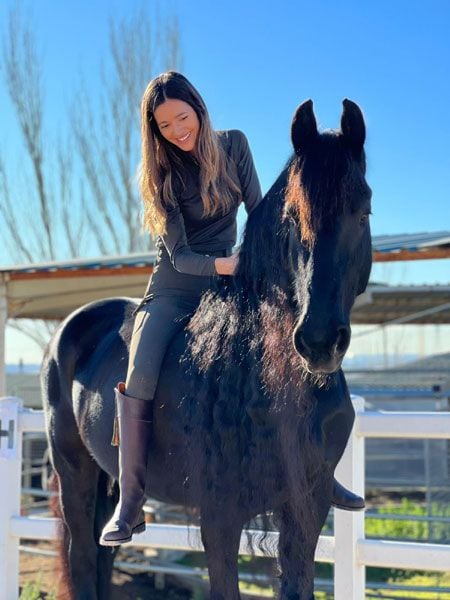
[348,549]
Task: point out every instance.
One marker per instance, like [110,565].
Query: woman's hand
[227,265]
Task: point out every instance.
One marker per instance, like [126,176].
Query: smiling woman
[192,181]
[178,123]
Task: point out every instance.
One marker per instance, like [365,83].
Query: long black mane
[262,253]
[239,315]
[259,391]
[244,403]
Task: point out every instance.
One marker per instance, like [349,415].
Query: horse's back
[79,344]
[85,359]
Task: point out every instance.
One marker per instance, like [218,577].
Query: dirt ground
[42,570]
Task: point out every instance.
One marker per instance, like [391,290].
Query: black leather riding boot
[134,429]
[345,499]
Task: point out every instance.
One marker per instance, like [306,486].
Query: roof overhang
[53,290]
[415,305]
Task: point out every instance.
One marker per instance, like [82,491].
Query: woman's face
[178,123]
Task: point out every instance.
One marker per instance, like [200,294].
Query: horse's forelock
[316,185]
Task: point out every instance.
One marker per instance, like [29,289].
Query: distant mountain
[377,361]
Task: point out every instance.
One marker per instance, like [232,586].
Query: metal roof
[52,290]
[394,245]
[410,241]
[139,259]
[396,305]
[415,246]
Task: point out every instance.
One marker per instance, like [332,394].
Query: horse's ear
[304,127]
[353,128]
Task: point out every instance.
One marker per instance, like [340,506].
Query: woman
[192,180]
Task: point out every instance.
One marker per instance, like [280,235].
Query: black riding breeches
[156,323]
[170,301]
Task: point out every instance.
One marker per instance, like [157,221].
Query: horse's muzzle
[322,352]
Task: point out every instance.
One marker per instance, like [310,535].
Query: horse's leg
[298,543]
[78,479]
[221,534]
[105,555]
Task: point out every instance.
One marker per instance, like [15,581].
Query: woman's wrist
[226,265]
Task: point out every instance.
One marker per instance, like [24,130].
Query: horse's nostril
[343,338]
[299,343]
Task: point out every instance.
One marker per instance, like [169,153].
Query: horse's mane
[256,301]
[261,262]
[249,389]
[251,312]
[316,184]
[244,373]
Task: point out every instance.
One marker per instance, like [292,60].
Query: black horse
[252,411]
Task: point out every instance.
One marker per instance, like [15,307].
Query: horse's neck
[262,257]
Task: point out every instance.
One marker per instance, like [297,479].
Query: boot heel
[139,528]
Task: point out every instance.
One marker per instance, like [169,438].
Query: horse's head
[328,204]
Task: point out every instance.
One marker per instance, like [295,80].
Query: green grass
[375,528]
[32,591]
[409,530]
[431,580]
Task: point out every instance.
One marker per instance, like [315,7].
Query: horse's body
[249,423]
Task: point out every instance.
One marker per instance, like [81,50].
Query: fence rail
[348,549]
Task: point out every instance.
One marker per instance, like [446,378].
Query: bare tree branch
[69,216]
[23,79]
[38,331]
[172,49]
[9,216]
[82,195]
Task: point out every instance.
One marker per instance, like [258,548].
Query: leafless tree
[79,194]
[108,141]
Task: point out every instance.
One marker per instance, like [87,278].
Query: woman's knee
[140,383]
[154,327]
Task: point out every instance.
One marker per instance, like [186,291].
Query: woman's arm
[250,186]
[182,257]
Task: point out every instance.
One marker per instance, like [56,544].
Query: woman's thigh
[155,325]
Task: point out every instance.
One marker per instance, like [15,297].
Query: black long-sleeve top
[190,235]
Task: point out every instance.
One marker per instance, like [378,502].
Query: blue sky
[254,62]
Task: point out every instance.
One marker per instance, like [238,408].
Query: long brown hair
[161,163]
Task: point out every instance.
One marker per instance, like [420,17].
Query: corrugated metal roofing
[381,243]
[142,259]
[403,304]
[52,290]
[410,241]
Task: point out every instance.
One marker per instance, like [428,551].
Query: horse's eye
[364,219]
